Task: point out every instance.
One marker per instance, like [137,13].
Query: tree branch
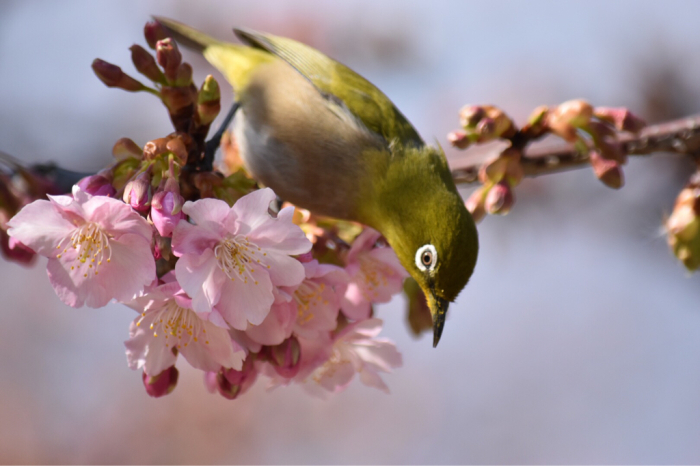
[680,136]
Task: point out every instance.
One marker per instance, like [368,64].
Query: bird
[327,140]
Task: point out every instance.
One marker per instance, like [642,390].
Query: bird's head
[429,228]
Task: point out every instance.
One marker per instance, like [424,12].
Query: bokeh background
[577,340]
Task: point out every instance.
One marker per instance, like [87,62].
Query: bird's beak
[438,309]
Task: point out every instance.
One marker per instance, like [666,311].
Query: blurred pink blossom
[98,248]
[232,257]
[375,275]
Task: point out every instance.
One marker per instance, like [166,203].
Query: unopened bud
[566,118]
[126,148]
[169,57]
[475,204]
[208,101]
[16,251]
[113,76]
[178,148]
[499,199]
[493,170]
[606,170]
[470,115]
[536,124]
[153,32]
[458,139]
[137,193]
[154,148]
[161,384]
[683,227]
[146,64]
[184,75]
[286,357]
[97,185]
[231,383]
[166,208]
[621,118]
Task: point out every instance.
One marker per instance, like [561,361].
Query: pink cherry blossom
[354,350]
[231,258]
[309,309]
[168,326]
[375,275]
[98,247]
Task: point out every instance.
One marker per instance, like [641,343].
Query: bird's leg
[212,144]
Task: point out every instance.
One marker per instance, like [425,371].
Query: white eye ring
[426,258]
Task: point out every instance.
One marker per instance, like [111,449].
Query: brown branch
[680,136]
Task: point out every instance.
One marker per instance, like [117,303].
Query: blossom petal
[281,234]
[284,270]
[197,274]
[252,209]
[191,239]
[146,351]
[40,226]
[218,351]
[115,217]
[243,302]
[276,327]
[208,210]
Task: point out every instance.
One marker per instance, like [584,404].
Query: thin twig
[680,136]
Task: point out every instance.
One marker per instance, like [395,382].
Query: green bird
[326,139]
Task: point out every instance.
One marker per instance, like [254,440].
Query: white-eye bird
[326,139]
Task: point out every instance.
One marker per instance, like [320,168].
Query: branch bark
[680,136]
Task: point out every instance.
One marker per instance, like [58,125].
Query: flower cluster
[217,270]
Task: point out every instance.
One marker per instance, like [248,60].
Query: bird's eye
[426,258]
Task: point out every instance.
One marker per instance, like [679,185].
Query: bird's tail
[185,35]
[235,61]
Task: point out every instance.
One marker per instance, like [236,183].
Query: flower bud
[567,117]
[177,99]
[184,75]
[470,115]
[683,227]
[153,32]
[285,357]
[137,193]
[166,208]
[607,171]
[621,118]
[161,384]
[97,185]
[475,204]
[146,64]
[536,124]
[169,57]
[178,149]
[499,199]
[493,170]
[125,148]
[154,148]
[458,139]
[231,383]
[113,76]
[208,101]
[15,250]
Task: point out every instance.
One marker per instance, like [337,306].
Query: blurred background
[576,341]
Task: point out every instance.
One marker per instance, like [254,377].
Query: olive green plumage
[326,139]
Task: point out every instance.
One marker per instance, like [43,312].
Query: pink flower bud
[475,204]
[125,148]
[499,199]
[470,115]
[306,257]
[153,32]
[607,171]
[146,64]
[285,357]
[97,185]
[567,117]
[137,193]
[16,251]
[623,119]
[113,76]
[161,384]
[169,57]
[166,208]
[230,383]
[458,139]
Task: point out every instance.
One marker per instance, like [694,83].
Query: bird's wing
[341,86]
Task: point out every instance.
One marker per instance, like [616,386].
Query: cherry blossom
[98,248]
[168,326]
[375,275]
[231,258]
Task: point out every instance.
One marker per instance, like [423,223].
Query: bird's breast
[291,141]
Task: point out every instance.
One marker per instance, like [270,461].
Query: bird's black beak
[438,309]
